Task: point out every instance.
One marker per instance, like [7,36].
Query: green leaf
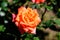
[22,35]
[35,38]
[5,9]
[48,23]
[15,1]
[49,7]
[58,36]
[29,35]
[27,38]
[53,1]
[4,4]
[57,21]
[59,9]
[2,28]
[58,13]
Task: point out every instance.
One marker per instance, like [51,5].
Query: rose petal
[13,17]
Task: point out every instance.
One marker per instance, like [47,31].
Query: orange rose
[38,1]
[26,20]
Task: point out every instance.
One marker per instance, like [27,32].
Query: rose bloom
[26,20]
[38,1]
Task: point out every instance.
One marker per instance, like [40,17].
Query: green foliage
[27,39]
[53,2]
[49,7]
[2,28]
[58,36]
[29,35]
[57,21]
[58,13]
[35,38]
[47,23]
[4,4]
